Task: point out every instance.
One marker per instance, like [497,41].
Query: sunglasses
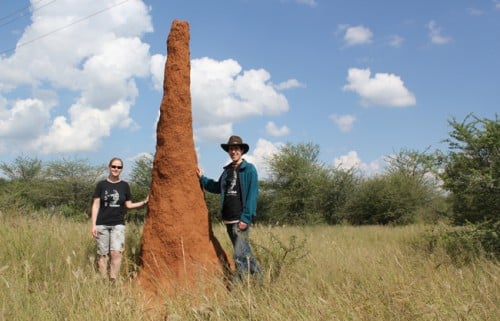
[116,167]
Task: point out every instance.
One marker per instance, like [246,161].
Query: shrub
[472,170]
[467,243]
[392,198]
[276,255]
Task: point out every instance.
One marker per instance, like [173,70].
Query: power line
[63,27]
[22,12]
[16,12]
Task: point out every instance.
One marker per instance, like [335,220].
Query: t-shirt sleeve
[97,191]
[128,194]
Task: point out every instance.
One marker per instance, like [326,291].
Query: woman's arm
[129,204]
[96,203]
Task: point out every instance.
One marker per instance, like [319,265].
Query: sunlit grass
[348,273]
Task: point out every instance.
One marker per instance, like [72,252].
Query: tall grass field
[47,272]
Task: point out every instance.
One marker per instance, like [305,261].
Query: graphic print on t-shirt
[231,186]
[111,199]
[232,206]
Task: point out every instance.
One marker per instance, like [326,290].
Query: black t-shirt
[112,205]
[232,207]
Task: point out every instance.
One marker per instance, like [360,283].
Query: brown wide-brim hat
[235,141]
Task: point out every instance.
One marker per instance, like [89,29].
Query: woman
[111,198]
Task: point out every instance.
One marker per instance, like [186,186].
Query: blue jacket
[249,189]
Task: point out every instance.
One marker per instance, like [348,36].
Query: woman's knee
[115,254]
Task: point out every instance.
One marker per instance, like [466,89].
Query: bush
[392,198]
[465,244]
[301,190]
[65,186]
[472,170]
[276,255]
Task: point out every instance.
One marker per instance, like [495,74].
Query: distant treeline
[460,186]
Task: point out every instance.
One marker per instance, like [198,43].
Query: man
[239,189]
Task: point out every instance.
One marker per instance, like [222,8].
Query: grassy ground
[311,273]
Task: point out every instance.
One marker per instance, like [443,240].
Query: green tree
[422,169]
[140,184]
[472,169]
[214,206]
[336,188]
[392,198]
[141,173]
[408,191]
[22,174]
[63,186]
[23,168]
[296,176]
[69,184]
[422,166]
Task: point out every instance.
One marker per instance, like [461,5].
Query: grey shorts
[110,238]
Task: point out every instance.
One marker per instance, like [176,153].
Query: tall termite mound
[178,248]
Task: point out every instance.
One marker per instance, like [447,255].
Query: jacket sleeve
[252,192]
[210,185]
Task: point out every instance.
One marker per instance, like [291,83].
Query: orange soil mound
[178,248]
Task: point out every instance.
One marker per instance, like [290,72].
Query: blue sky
[362,79]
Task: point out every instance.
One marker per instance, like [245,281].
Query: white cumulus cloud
[90,56]
[344,122]
[210,133]
[475,12]
[22,123]
[435,34]
[157,69]
[291,83]
[261,154]
[357,35]
[223,93]
[273,130]
[310,3]
[382,90]
[352,161]
[396,41]
[91,52]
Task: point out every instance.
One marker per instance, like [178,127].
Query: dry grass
[349,273]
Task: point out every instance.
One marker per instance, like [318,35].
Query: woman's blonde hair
[115,159]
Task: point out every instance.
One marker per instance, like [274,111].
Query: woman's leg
[102,265]
[116,261]
[116,247]
[103,235]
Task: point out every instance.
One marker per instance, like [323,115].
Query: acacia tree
[23,168]
[140,183]
[292,185]
[406,192]
[64,186]
[141,173]
[390,198]
[422,166]
[472,169]
[70,184]
[22,174]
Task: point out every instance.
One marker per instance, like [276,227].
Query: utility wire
[16,12]
[21,13]
[63,27]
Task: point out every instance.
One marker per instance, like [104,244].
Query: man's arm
[208,184]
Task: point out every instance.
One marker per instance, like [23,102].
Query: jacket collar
[243,164]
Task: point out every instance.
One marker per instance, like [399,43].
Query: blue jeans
[244,260]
